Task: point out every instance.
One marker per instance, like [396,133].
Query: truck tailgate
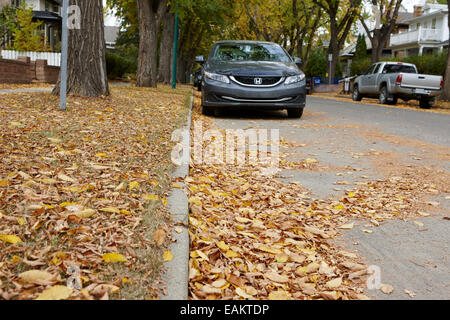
[421,81]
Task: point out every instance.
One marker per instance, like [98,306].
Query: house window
[418,25]
[433,24]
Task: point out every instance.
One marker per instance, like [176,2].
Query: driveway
[355,143]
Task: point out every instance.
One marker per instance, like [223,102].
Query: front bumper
[219,94]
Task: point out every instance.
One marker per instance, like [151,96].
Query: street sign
[330,57]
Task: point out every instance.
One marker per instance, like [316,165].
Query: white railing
[415,36]
[53,58]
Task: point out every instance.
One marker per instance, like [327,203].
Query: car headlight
[217,77]
[295,79]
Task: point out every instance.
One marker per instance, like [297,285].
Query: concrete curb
[26,90]
[177,274]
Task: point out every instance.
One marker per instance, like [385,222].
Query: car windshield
[250,52]
[397,68]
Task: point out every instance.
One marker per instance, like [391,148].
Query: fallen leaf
[386,288]
[55,293]
[347,226]
[113,257]
[167,256]
[159,236]
[10,238]
[35,275]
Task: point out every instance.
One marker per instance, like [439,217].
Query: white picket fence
[53,58]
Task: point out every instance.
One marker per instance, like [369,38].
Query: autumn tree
[386,14]
[25,32]
[342,14]
[7,23]
[86,63]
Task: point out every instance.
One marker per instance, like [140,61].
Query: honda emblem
[258,81]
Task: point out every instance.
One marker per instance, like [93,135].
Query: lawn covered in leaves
[83,193]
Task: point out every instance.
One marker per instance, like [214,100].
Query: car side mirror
[298,61]
[200,59]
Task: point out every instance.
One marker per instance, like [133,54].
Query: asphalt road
[343,136]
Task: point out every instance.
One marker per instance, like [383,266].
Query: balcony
[416,36]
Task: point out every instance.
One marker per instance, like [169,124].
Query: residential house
[47,11]
[427,32]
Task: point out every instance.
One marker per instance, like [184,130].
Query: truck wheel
[383,95]
[356,95]
[425,103]
[295,113]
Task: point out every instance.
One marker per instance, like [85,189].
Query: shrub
[358,67]
[429,64]
[117,66]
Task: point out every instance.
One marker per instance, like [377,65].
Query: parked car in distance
[390,81]
[198,79]
[255,74]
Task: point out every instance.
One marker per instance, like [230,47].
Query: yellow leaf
[150,197]
[309,161]
[195,200]
[282,258]
[101,155]
[231,254]
[65,204]
[269,250]
[10,238]
[56,293]
[84,213]
[49,181]
[3,183]
[125,212]
[167,256]
[20,221]
[113,257]
[110,210]
[35,275]
[133,185]
[339,207]
[222,245]
[280,295]
[177,186]
[351,195]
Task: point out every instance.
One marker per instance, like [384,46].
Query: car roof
[398,62]
[244,41]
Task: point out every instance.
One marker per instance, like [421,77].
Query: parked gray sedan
[254,74]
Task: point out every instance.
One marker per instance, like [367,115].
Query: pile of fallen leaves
[82,193]
[255,237]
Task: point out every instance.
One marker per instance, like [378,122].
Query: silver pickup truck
[390,81]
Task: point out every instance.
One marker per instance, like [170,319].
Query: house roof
[46,15]
[404,16]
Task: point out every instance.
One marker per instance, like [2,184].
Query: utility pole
[64,40]
[175,50]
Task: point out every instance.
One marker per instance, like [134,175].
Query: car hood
[253,68]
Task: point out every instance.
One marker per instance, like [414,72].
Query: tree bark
[446,90]
[150,13]
[86,63]
[166,49]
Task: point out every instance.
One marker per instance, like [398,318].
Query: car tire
[208,111]
[199,87]
[383,98]
[425,103]
[394,101]
[356,96]
[295,113]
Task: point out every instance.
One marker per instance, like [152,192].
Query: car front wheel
[295,113]
[356,95]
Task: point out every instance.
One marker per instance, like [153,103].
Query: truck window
[370,70]
[377,68]
[397,68]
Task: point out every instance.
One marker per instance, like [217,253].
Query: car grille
[250,80]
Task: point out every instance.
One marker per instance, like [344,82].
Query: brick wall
[46,73]
[23,70]
[14,71]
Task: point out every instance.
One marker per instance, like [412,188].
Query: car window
[397,68]
[250,52]
[370,70]
[377,68]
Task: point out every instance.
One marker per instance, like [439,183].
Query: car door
[365,80]
[372,81]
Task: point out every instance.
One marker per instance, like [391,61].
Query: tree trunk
[166,49]
[446,91]
[150,14]
[86,63]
